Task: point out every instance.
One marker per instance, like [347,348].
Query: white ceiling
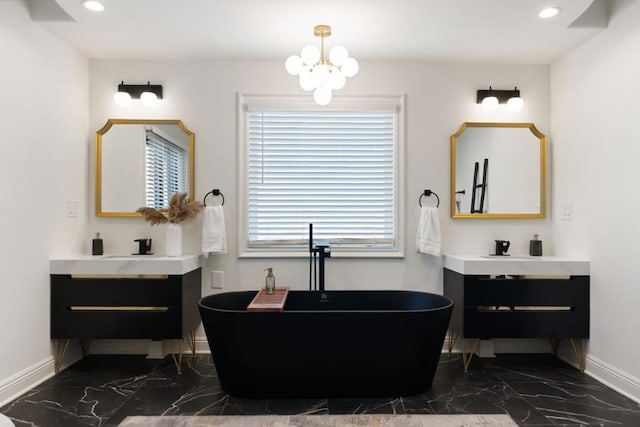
[470,31]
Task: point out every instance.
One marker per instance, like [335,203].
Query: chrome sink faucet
[320,249]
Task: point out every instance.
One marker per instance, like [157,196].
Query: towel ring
[428,193]
[214,192]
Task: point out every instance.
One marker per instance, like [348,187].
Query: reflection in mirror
[498,171]
[142,163]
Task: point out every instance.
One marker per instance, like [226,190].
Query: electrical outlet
[217,279]
[567,211]
[72,208]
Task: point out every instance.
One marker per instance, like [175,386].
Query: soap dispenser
[270,282]
[535,246]
[96,245]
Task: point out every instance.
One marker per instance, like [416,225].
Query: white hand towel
[214,236]
[428,236]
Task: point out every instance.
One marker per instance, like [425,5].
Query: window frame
[339,103]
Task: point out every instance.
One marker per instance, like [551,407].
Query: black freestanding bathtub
[327,343]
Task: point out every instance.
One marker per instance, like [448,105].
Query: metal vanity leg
[453,337]
[178,361]
[466,358]
[60,349]
[581,355]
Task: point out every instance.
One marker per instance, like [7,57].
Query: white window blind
[166,166]
[334,169]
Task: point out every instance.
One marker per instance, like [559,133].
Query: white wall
[596,156]
[439,98]
[43,163]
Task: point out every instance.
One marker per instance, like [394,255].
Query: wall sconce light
[492,97]
[148,94]
[320,74]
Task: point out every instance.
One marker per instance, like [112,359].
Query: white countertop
[125,264]
[517,265]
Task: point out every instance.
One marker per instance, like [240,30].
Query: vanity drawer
[118,324]
[67,291]
[481,291]
[572,323]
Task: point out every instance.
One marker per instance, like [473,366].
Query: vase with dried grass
[179,210]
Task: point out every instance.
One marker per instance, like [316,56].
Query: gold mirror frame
[98,160]
[543,171]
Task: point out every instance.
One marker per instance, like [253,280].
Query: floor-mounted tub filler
[327,343]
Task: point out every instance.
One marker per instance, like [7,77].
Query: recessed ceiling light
[548,12]
[94,5]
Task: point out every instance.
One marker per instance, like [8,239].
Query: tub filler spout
[320,249]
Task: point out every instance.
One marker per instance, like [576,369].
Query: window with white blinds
[336,169]
[166,165]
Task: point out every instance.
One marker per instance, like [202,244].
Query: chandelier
[319,74]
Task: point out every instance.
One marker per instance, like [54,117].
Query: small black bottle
[535,246]
[96,247]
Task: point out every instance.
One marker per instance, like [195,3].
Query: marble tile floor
[534,390]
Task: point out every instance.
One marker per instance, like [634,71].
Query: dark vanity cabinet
[541,304]
[157,307]
[154,307]
[506,307]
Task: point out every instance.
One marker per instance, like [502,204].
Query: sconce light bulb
[122,98]
[515,103]
[148,99]
[490,103]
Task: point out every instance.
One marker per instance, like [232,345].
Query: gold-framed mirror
[498,170]
[142,162]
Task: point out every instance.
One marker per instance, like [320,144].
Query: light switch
[567,211]
[72,208]
[217,279]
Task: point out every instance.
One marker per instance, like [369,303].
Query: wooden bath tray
[269,303]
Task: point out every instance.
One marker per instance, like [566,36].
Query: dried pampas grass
[152,215]
[180,209]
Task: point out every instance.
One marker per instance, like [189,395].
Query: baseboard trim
[613,377]
[18,384]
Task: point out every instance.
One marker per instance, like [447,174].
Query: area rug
[322,421]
